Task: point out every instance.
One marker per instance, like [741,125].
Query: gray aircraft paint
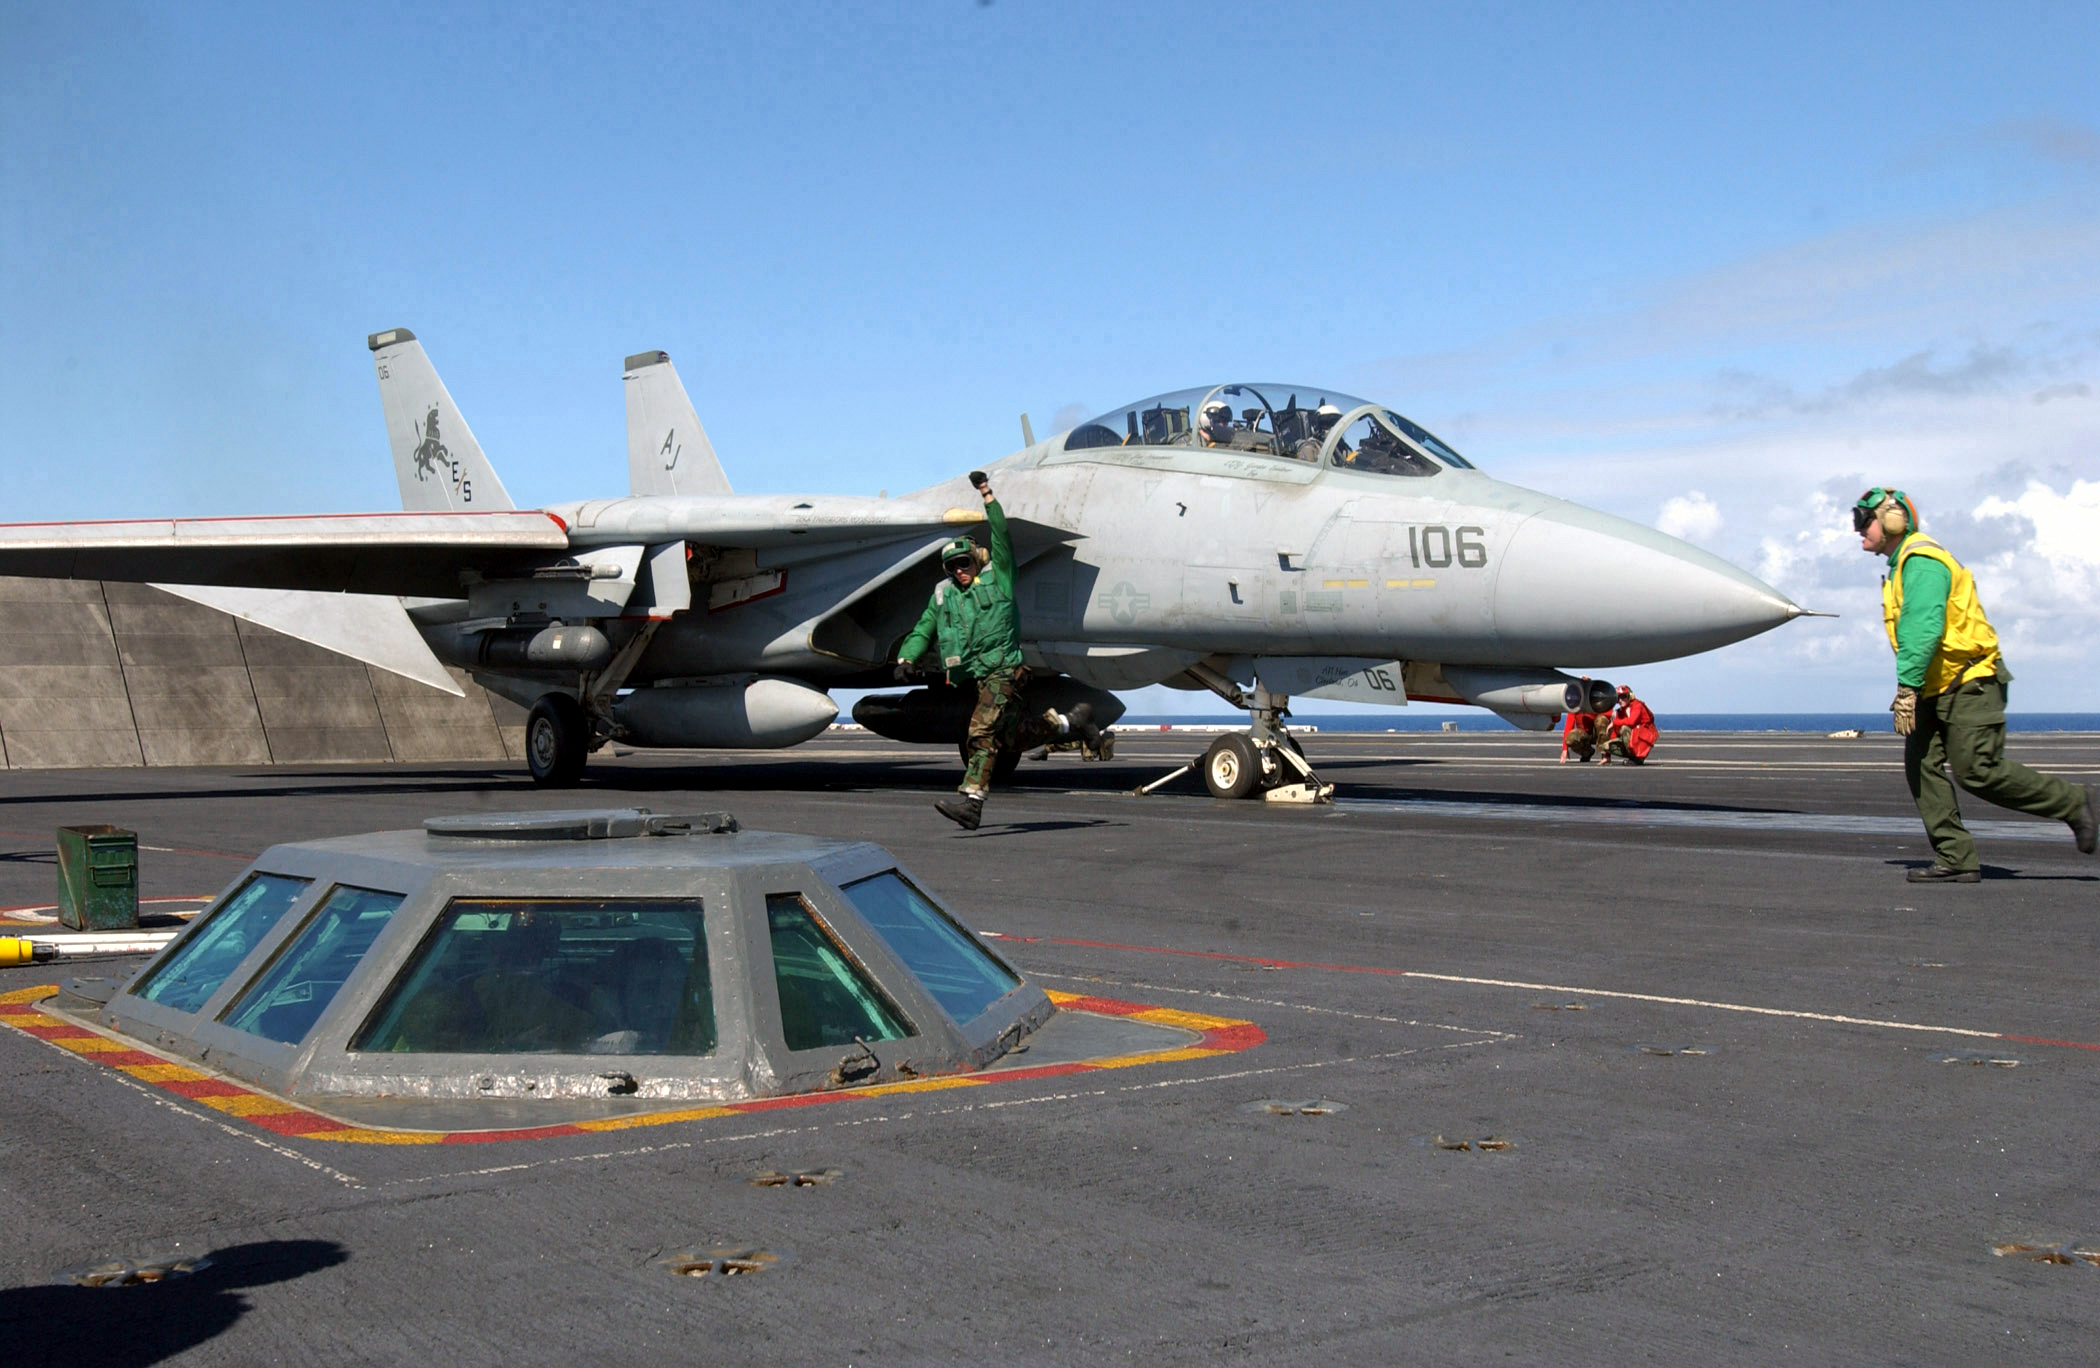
[439,464]
[369,627]
[1134,564]
[667,449]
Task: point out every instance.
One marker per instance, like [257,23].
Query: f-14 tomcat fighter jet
[1256,540]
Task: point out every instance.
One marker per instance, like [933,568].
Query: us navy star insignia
[1124,602]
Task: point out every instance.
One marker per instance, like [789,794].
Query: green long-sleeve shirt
[1923,621]
[977,629]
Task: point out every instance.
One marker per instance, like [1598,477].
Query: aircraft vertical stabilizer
[667,449]
[436,459]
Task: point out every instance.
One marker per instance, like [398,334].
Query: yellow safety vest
[1969,648]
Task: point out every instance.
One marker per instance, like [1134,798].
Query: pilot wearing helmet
[1950,693]
[972,621]
[1216,429]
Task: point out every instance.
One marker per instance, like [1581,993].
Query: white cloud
[1958,360]
[1691,516]
[2064,524]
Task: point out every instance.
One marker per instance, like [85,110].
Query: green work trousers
[1963,730]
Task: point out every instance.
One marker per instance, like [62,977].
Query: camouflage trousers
[1582,743]
[997,724]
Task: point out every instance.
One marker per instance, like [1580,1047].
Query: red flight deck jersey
[1639,722]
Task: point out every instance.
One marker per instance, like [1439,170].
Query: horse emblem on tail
[430,453]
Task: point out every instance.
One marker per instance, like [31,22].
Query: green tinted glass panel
[962,977]
[825,998]
[289,996]
[618,976]
[188,977]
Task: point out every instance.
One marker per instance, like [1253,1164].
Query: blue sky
[1715,267]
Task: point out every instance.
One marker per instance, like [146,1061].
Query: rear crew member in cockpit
[1323,420]
[1217,424]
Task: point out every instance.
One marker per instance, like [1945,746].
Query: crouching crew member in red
[1580,735]
[1633,732]
[972,622]
[1950,693]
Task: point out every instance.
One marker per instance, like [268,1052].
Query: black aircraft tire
[557,741]
[1231,769]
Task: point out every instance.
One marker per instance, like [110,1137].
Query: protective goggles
[1870,504]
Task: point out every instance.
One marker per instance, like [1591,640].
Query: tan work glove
[1906,709]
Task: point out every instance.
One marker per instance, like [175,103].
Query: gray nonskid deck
[1751,1096]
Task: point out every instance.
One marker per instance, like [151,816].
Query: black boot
[1940,873]
[2086,825]
[1081,721]
[966,810]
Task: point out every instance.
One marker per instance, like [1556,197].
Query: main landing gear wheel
[557,741]
[1231,769]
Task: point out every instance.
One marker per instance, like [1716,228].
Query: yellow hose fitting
[21,950]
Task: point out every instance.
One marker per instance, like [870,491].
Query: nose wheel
[1232,767]
[1262,761]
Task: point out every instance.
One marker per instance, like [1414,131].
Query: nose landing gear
[1264,760]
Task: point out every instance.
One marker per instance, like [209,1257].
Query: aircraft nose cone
[1587,588]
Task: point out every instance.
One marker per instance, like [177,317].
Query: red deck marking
[2042,1040]
[1216,1035]
[296,1124]
[1244,1036]
[763,1104]
[1039,1071]
[1100,1006]
[200,1088]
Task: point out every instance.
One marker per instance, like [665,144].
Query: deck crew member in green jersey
[972,622]
[1950,693]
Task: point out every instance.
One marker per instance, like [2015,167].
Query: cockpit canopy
[1290,422]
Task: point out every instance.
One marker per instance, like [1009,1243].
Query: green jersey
[976,629]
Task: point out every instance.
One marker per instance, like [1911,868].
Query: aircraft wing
[418,554]
[766,522]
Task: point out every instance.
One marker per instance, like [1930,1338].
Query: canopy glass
[1291,422]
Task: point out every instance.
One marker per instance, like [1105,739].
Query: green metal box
[98,878]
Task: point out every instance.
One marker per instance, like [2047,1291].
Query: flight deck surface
[1565,1063]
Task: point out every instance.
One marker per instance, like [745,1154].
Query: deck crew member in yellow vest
[1950,693]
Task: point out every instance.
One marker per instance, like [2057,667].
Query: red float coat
[1633,720]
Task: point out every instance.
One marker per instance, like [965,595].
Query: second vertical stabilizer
[667,449]
[436,459]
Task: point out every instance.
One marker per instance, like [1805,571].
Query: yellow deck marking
[918,1085]
[93,1045]
[155,1073]
[308,1123]
[1188,1021]
[612,1123]
[250,1104]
